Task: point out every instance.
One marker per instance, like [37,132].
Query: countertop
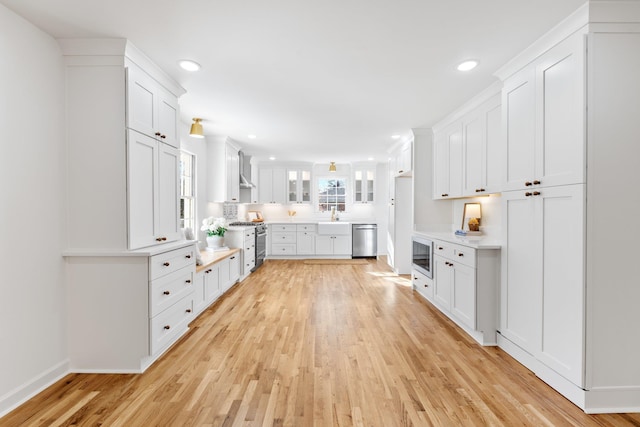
[209,257]
[476,242]
[315,221]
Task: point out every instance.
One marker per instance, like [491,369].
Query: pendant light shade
[332,167]
[196,129]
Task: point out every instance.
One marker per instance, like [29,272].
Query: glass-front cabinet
[364,184]
[299,185]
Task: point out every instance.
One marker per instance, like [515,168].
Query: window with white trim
[332,192]
[187,190]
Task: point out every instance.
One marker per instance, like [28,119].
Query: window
[332,191]
[187,190]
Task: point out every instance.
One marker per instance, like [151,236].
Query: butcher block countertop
[209,258]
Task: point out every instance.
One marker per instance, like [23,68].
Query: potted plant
[215,228]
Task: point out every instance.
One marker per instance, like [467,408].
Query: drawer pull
[527,194]
[167,327]
[188,256]
[426,286]
[166,264]
[187,281]
[480,190]
[158,133]
[461,254]
[536,182]
[232,257]
[208,271]
[163,136]
[445,195]
[167,292]
[400,171]
[188,310]
[528,183]
[159,239]
[440,248]
[536,193]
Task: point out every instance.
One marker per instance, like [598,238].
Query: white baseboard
[20,395]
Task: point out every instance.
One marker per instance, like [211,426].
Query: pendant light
[196,129]
[332,167]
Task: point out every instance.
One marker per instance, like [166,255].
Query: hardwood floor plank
[316,345]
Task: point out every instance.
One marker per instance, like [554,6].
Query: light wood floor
[316,345]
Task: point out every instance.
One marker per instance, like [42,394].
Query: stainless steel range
[261,240]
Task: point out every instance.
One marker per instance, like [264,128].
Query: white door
[265,186]
[141,102]
[521,284]
[442,281]
[563,281]
[518,109]
[341,245]
[463,299]
[279,185]
[441,166]
[305,243]
[213,289]
[168,119]
[324,245]
[473,148]
[142,191]
[168,193]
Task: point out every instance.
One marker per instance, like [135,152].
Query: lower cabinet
[333,245]
[128,307]
[215,277]
[465,287]
[244,239]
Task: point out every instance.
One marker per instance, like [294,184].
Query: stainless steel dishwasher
[364,239]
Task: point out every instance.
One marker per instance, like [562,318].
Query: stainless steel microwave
[422,255]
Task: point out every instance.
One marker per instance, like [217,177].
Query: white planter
[215,242]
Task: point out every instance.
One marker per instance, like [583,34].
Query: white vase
[215,242]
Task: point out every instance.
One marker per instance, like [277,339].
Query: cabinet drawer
[443,249]
[422,284]
[249,234]
[306,227]
[283,237]
[283,227]
[283,249]
[167,326]
[168,262]
[165,291]
[464,255]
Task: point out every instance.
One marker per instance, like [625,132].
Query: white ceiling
[314,80]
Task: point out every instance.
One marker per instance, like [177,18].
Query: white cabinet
[544,116]
[333,245]
[299,186]
[404,159]
[151,109]
[272,185]
[283,239]
[244,239]
[465,287]
[364,178]
[305,239]
[447,166]
[422,284]
[543,276]
[481,143]
[224,171]
[152,177]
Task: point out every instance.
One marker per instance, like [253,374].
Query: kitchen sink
[334,228]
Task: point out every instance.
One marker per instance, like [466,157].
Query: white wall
[32,307]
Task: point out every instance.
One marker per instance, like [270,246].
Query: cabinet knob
[426,286]
[163,136]
[158,239]
[440,248]
[536,182]
[167,293]
[528,183]
[188,310]
[445,195]
[187,281]
[166,264]
[188,257]
[460,254]
[527,194]
[233,257]
[536,193]
[167,327]
[157,133]
[480,190]
[208,271]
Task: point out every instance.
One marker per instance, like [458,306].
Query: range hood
[245,171]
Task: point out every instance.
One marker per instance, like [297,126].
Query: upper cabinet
[466,150]
[272,185]
[403,159]
[224,171]
[151,109]
[299,185]
[364,178]
[544,115]
[130,188]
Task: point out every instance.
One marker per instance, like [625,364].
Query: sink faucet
[333,213]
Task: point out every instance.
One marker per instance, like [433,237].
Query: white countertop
[315,221]
[476,242]
[144,252]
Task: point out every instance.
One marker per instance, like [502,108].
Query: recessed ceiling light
[252,136]
[272,158]
[395,136]
[189,65]
[371,159]
[468,65]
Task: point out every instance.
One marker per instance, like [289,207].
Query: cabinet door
[473,150]
[463,299]
[563,281]
[279,185]
[234,268]
[324,245]
[521,284]
[213,289]
[233,174]
[265,186]
[442,281]
[342,245]
[518,110]
[305,187]
[168,193]
[560,114]
[305,243]
[493,167]
[225,274]
[441,166]
[455,163]
[142,179]
[141,102]
[200,292]
[292,186]
[168,118]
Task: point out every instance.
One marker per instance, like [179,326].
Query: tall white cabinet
[130,274]
[568,293]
